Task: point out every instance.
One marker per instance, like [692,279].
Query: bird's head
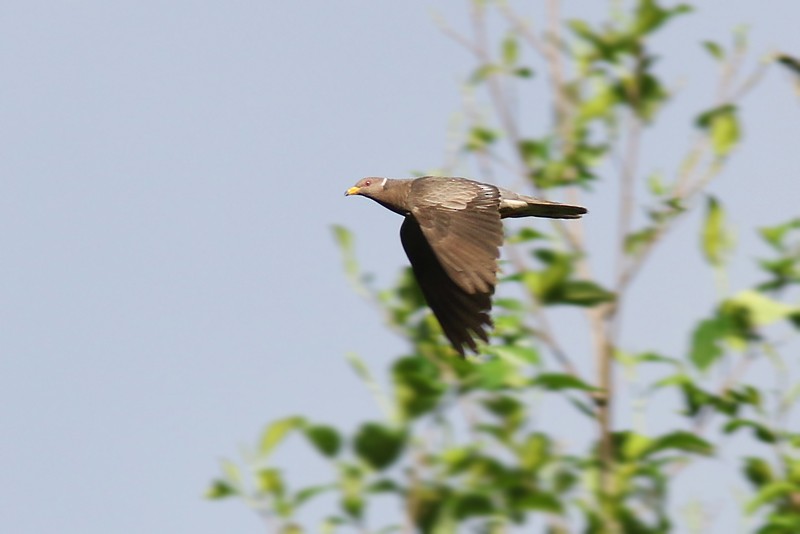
[369,187]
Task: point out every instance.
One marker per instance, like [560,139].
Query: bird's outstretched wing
[460,219]
[462,315]
[452,237]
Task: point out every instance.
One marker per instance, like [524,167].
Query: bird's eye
[367,183]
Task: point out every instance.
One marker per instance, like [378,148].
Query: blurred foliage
[461,448]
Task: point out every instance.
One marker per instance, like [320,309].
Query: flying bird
[452,234]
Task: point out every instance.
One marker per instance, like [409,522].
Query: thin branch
[497,95]
[750,82]
[603,348]
[555,65]
[521,27]
[546,334]
[733,377]
[549,49]
[704,417]
[627,193]
[448,31]
[685,187]
[483,157]
[479,47]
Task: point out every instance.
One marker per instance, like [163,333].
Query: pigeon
[452,233]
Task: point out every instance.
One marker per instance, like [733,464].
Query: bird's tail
[516,205]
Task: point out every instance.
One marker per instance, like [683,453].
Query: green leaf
[533,151]
[309,493]
[276,432]
[379,445]
[483,72]
[351,485]
[655,182]
[763,310]
[770,493]
[583,293]
[541,501]
[681,441]
[508,409]
[696,398]
[330,523]
[635,446]
[418,386]
[723,125]
[510,327]
[362,371]
[650,16]
[472,504]
[564,480]
[325,439]
[583,407]
[547,283]
[232,473]
[776,235]
[714,49]
[746,395]
[523,72]
[761,432]
[638,241]
[509,304]
[757,471]
[792,468]
[652,357]
[725,133]
[582,29]
[515,354]
[499,374]
[668,209]
[561,381]
[785,271]
[480,138]
[353,505]
[781,523]
[791,63]
[456,459]
[270,481]
[344,239]
[608,45]
[510,50]
[525,234]
[220,489]
[642,92]
[678,380]
[717,241]
[385,485]
[706,339]
[534,452]
[600,104]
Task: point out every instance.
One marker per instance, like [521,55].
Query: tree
[460,445]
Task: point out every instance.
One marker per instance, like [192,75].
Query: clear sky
[169,172]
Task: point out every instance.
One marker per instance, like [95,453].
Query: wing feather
[461,221]
[461,314]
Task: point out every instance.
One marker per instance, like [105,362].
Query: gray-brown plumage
[452,235]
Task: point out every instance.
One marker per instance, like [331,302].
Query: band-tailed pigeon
[452,235]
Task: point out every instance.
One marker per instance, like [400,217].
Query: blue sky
[169,175]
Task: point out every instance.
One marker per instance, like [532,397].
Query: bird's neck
[394,196]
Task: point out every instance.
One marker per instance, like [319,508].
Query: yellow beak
[352,191]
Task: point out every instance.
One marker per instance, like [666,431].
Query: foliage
[461,445]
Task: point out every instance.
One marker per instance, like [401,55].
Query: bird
[452,233]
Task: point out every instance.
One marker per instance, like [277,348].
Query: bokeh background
[169,172]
